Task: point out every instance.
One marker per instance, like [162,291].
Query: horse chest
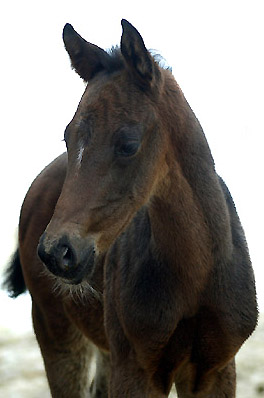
[143,296]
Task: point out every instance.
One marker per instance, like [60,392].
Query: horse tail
[14,281]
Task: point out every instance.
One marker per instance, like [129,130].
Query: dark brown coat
[131,241]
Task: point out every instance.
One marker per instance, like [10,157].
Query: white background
[215,49]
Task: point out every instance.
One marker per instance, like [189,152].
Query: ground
[22,372]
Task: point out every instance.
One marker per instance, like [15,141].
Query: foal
[137,226]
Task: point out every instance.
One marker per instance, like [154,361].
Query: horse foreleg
[128,379]
[223,385]
[99,387]
[66,352]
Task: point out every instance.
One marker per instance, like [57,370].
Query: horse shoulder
[239,294]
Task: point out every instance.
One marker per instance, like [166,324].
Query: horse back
[36,212]
[41,199]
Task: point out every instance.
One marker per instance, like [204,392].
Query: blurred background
[215,49]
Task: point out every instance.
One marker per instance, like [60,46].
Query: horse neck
[179,230]
[188,212]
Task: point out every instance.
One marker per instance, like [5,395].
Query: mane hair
[116,61]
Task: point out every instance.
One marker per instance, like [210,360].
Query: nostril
[67,258]
[59,257]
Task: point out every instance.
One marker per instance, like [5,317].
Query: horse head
[116,152]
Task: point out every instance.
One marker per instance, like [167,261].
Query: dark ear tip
[126,25]
[67,30]
[124,22]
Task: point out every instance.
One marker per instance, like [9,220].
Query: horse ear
[136,55]
[86,58]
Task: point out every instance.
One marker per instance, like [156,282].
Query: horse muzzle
[69,259]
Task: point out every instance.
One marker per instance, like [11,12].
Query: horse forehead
[111,102]
[102,107]
[103,91]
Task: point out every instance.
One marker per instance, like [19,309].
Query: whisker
[82,292]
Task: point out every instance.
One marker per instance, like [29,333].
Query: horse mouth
[73,281]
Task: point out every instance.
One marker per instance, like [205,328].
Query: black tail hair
[14,281]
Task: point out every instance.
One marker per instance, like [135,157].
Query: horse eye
[127,149]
